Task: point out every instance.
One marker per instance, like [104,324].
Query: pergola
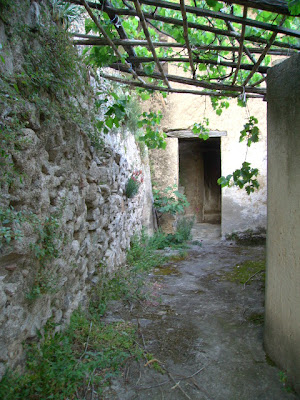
[241,40]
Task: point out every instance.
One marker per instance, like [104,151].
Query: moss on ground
[246,272]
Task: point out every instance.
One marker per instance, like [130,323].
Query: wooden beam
[174,90]
[97,41]
[258,82]
[229,64]
[206,28]
[192,82]
[175,21]
[241,48]
[204,12]
[150,44]
[245,49]
[263,54]
[186,36]
[275,6]
[111,43]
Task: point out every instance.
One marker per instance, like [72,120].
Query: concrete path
[202,333]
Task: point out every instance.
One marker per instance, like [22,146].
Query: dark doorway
[199,169]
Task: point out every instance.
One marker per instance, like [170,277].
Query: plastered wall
[282,319]
[239,212]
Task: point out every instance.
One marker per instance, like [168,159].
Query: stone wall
[282,315]
[75,220]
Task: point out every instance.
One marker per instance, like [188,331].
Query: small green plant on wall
[133,184]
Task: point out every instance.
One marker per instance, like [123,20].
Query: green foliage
[114,114]
[283,378]
[294,6]
[133,184]
[153,137]
[67,13]
[216,73]
[11,137]
[174,240]
[10,221]
[245,177]
[46,248]
[184,228]
[88,354]
[250,131]
[201,129]
[54,66]
[169,200]
[219,104]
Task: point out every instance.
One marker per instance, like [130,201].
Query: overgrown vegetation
[45,248]
[169,200]
[78,361]
[89,353]
[152,136]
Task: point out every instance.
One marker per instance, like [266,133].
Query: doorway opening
[199,169]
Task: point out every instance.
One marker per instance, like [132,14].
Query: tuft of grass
[283,378]
[246,272]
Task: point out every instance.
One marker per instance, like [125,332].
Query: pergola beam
[185,17]
[176,90]
[276,6]
[201,12]
[262,56]
[93,40]
[205,28]
[204,12]
[193,82]
[150,44]
[91,14]
[229,64]
[186,36]
[246,50]
[240,49]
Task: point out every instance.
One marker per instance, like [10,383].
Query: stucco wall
[239,211]
[164,167]
[282,326]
